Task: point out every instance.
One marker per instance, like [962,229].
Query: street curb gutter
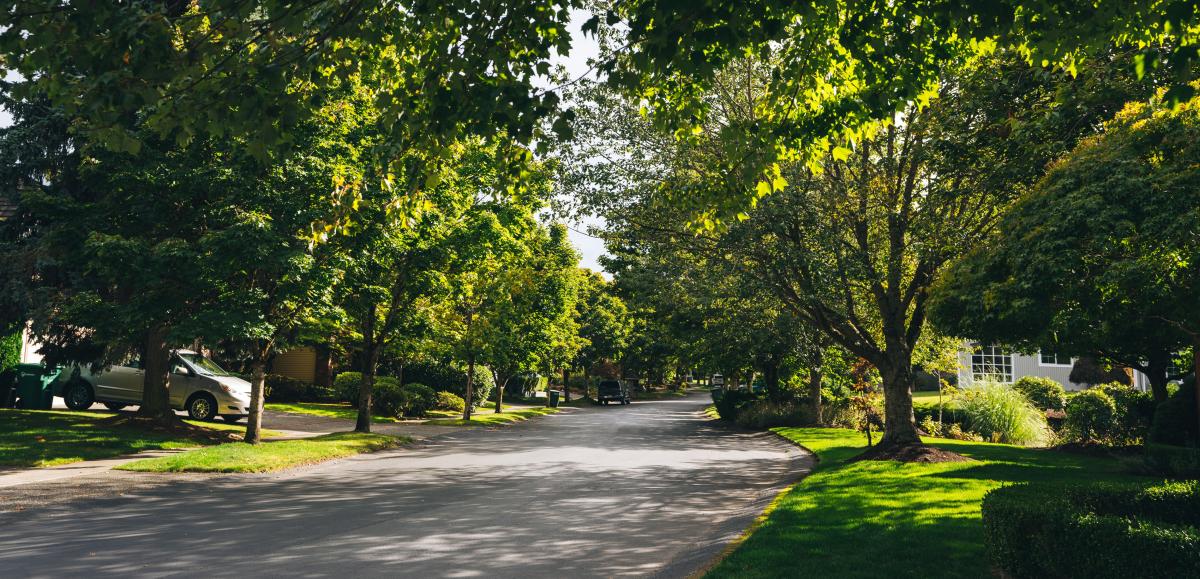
[761,519]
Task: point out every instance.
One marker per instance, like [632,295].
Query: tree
[104,258]
[853,242]
[1101,256]
[535,326]
[836,69]
[393,273]
[603,324]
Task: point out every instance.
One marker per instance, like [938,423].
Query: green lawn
[488,417]
[268,456]
[929,397]
[37,438]
[867,519]
[328,410]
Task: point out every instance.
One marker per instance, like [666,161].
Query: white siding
[1030,365]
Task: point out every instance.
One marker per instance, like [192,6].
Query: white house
[997,363]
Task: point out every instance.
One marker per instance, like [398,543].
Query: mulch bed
[910,453]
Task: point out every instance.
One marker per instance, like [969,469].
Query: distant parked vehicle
[717,381]
[612,391]
[198,385]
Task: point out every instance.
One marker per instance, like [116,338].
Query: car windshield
[204,365]
[610,384]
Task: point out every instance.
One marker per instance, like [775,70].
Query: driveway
[648,489]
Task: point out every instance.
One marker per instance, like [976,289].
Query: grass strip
[485,417]
[324,409]
[41,438]
[268,456]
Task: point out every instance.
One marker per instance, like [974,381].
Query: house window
[991,363]
[1053,359]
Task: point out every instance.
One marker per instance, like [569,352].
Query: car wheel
[232,419]
[114,405]
[202,407]
[79,396]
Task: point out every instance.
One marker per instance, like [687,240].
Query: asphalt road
[651,489]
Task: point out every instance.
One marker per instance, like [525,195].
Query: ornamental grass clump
[1001,414]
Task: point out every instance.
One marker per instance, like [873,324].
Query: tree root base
[909,453]
[171,426]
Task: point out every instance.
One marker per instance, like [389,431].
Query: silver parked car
[198,385]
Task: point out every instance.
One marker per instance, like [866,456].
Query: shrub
[931,426]
[1044,393]
[730,402]
[1000,413]
[1134,411]
[764,413]
[1097,530]
[421,399]
[388,398]
[449,401]
[1175,418]
[451,378]
[346,384]
[1091,416]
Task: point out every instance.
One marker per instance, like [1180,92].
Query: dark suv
[612,391]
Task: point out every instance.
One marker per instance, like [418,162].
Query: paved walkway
[649,489]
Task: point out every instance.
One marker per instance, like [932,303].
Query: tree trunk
[156,377]
[1156,373]
[814,392]
[470,385]
[499,392]
[323,374]
[370,364]
[1196,375]
[566,384]
[258,379]
[771,379]
[587,381]
[900,425]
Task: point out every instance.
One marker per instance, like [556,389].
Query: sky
[583,48]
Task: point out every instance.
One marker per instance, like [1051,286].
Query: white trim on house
[991,363]
[1042,362]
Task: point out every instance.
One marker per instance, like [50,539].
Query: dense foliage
[1097,530]
[1044,393]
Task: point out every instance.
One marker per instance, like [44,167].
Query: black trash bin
[8,388]
[552,399]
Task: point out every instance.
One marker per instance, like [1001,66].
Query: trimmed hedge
[1095,530]
[451,378]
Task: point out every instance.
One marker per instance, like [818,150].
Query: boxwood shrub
[1095,530]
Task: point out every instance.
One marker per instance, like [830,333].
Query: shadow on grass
[872,519]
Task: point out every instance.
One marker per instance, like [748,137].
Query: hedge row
[1095,530]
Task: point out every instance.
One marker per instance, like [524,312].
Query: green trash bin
[33,387]
[552,399]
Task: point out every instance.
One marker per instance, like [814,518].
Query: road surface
[650,489]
